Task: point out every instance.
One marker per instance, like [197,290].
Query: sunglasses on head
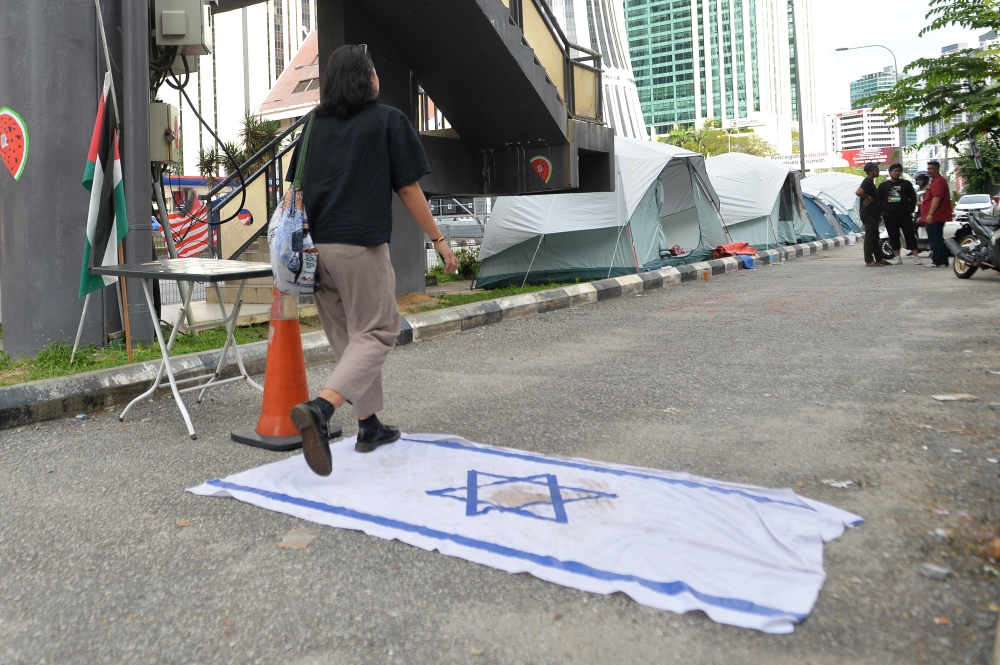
[363,47]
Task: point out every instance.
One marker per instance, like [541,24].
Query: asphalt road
[792,375]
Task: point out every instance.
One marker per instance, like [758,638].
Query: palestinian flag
[106,222]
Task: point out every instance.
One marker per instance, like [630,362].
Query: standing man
[898,200]
[935,211]
[871,216]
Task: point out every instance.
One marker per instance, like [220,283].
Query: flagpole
[79,329]
[118,126]
[128,332]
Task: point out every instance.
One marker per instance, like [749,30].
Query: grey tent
[663,198]
[761,200]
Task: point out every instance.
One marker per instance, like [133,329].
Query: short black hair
[934,162]
[871,166]
[895,166]
[347,87]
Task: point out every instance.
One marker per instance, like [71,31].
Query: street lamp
[895,65]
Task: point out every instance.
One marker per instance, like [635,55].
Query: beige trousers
[356,300]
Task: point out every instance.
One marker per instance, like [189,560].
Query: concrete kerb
[38,401]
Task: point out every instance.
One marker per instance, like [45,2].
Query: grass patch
[53,360]
[454,299]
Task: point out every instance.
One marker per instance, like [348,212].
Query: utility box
[164,133]
[185,24]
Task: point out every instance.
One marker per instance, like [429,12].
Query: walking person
[898,200]
[935,211]
[359,153]
[871,216]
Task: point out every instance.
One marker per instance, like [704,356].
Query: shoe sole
[369,447]
[317,453]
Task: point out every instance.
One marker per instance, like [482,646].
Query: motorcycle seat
[991,222]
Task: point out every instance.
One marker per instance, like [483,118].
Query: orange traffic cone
[285,383]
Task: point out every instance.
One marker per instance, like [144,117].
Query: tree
[940,89]
[980,181]
[712,140]
[210,164]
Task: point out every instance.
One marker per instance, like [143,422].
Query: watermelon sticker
[13,141]
[543,167]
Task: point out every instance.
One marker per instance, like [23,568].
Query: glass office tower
[730,60]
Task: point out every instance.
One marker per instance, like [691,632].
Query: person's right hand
[450,262]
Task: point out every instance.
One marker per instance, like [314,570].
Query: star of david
[540,497]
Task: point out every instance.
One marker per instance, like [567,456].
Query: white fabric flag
[746,556]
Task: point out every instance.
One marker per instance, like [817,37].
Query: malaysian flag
[245,217]
[189,228]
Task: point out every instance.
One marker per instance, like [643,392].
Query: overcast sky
[859,22]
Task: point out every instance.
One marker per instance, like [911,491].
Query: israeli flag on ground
[746,556]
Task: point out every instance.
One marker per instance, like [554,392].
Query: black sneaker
[308,419]
[370,439]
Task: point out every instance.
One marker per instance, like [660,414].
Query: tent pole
[525,281]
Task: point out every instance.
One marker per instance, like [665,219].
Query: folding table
[211,271]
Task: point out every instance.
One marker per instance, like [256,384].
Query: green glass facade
[869,85]
[668,43]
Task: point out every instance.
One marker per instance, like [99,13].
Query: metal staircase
[523,104]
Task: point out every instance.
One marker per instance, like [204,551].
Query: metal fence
[171,295]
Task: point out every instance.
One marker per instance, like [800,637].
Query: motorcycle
[976,245]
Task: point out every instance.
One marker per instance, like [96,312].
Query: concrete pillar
[136,174]
[51,76]
[341,22]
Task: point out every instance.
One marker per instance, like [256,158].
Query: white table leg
[159,374]
[165,350]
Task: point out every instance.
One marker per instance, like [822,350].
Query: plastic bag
[293,255]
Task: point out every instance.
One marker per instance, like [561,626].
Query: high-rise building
[730,60]
[870,84]
[600,26]
[862,129]
[252,46]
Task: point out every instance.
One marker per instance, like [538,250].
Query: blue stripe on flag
[666,588]
[455,445]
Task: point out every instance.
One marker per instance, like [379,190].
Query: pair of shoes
[370,439]
[309,420]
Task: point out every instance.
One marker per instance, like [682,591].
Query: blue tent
[823,217]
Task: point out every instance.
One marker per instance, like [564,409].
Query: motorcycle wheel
[887,250]
[962,269]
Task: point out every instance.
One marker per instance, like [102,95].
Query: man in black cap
[871,216]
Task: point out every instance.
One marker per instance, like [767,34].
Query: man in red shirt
[935,211]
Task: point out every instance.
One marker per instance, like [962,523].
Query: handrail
[260,153]
[569,62]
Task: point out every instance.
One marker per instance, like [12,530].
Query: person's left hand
[450,262]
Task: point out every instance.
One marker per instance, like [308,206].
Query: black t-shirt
[898,199]
[352,168]
[873,210]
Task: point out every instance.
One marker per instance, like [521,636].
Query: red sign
[861,157]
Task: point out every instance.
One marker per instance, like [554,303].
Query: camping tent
[837,190]
[662,198]
[823,216]
[761,200]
